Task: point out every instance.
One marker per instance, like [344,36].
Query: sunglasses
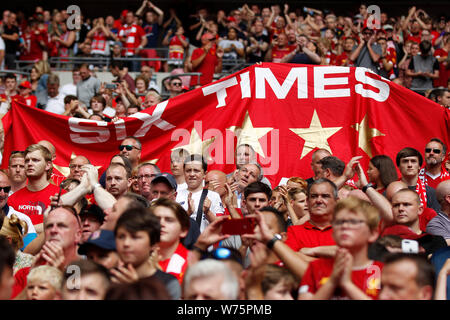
[6,189]
[128,147]
[428,150]
[176,84]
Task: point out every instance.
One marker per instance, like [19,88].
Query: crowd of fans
[411,50]
[134,232]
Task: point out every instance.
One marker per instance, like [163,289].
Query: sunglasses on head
[428,150]
[128,147]
[5,189]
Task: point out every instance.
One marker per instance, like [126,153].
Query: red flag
[284,111]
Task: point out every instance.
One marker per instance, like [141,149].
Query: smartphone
[239,226]
[410,246]
[59,196]
[111,86]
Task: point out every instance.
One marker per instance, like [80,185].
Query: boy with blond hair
[44,283]
[350,274]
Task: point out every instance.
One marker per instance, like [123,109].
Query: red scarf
[421,190]
[444,174]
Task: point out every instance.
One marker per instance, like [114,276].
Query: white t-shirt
[69,89]
[214,197]
[56,104]
[227,44]
[182,186]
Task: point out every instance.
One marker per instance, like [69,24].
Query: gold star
[365,134]
[196,144]
[65,171]
[247,134]
[315,135]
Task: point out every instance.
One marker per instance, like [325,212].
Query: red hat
[185,88]
[230,18]
[124,13]
[25,84]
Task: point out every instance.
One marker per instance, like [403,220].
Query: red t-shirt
[176,265]
[309,236]
[279,53]
[319,271]
[426,217]
[207,66]
[16,98]
[444,73]
[20,281]
[416,38]
[31,101]
[33,204]
[32,48]
[133,35]
[344,60]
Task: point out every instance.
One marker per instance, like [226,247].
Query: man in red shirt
[207,60]
[35,42]
[279,48]
[441,55]
[343,59]
[351,274]
[25,92]
[11,94]
[314,237]
[134,39]
[433,173]
[34,198]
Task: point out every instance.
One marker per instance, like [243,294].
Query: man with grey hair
[314,237]
[145,174]
[51,100]
[210,280]
[440,225]
[247,173]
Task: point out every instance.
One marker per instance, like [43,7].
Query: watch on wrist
[367,186]
[275,238]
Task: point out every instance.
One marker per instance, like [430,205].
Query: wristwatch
[275,238]
[367,186]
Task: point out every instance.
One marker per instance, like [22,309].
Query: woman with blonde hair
[43,70]
[13,230]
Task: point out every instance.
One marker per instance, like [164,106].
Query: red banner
[284,111]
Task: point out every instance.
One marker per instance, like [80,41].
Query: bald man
[316,167]
[440,225]
[424,217]
[54,178]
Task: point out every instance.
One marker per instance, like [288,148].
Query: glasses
[178,84]
[428,150]
[6,189]
[146,176]
[75,166]
[128,147]
[352,223]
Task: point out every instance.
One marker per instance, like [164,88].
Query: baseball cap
[103,239]
[167,178]
[25,84]
[388,27]
[95,211]
[124,13]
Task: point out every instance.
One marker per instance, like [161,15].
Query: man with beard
[34,198]
[433,173]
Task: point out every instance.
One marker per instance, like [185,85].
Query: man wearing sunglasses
[433,174]
[131,148]
[175,87]
[368,52]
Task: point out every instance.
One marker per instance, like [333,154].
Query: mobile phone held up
[239,226]
[111,86]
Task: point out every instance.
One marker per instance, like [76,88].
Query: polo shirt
[308,235]
[439,226]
